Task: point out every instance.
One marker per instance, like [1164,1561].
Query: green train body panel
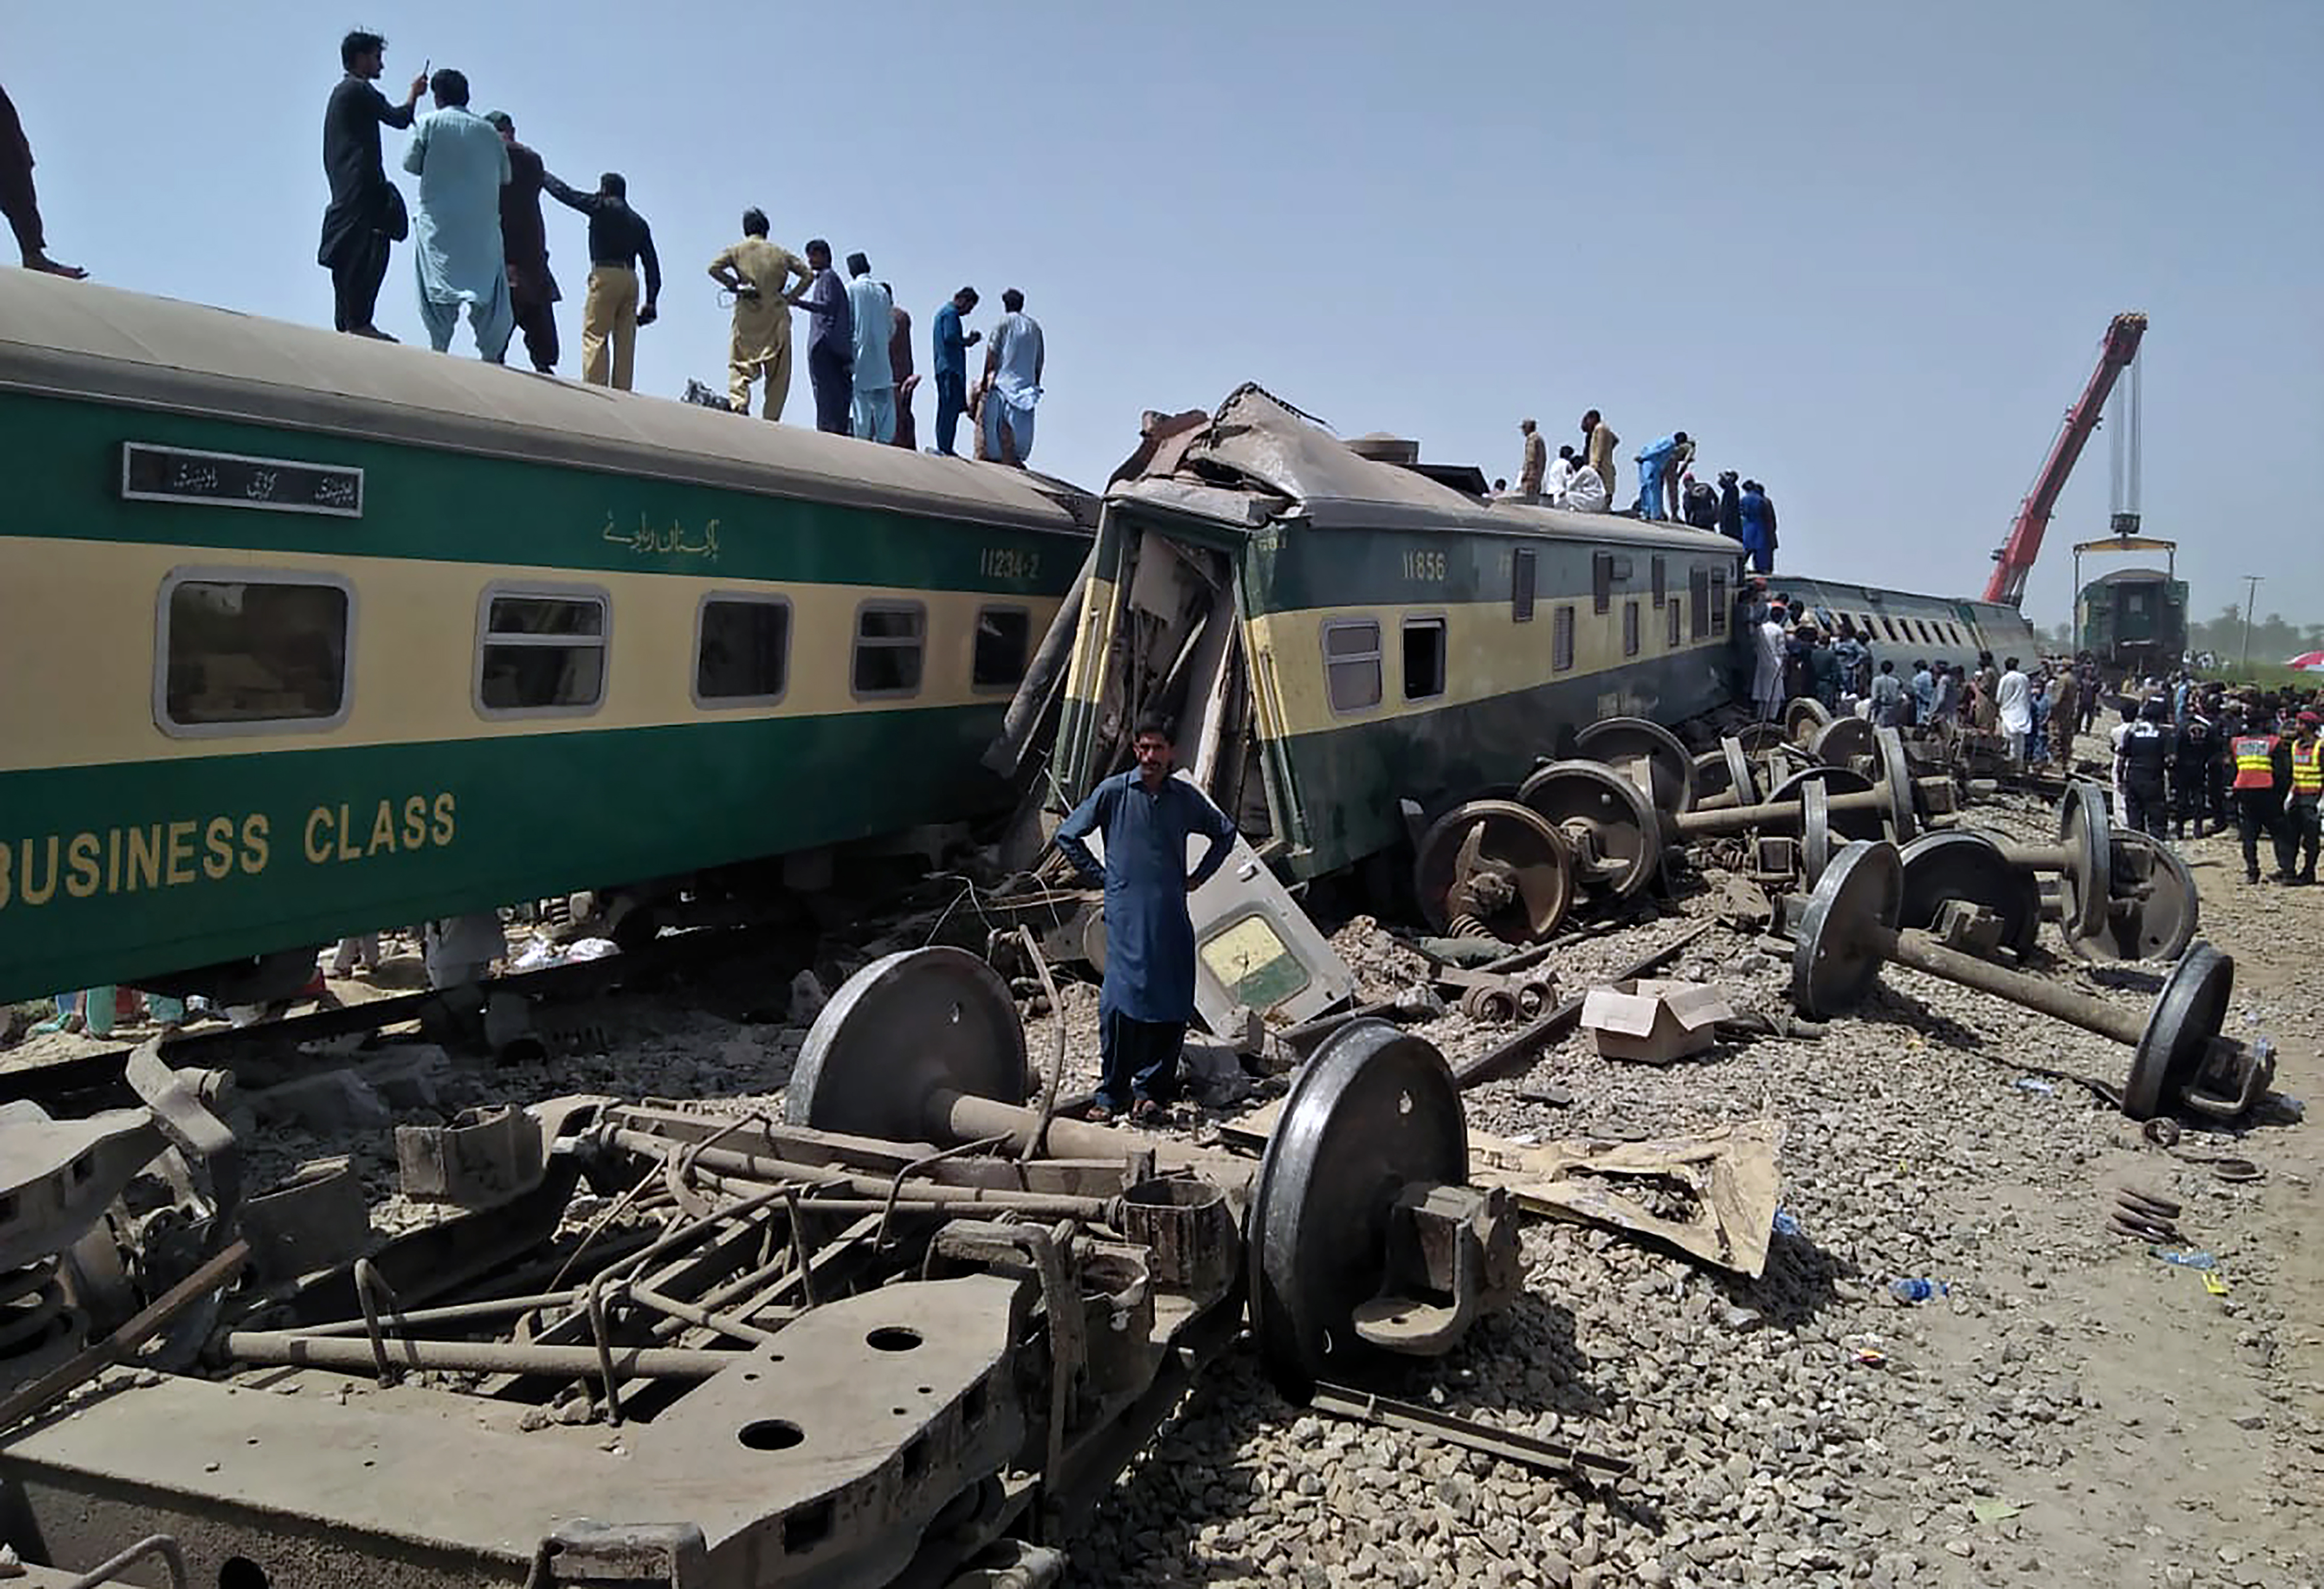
[172,852]
[65,462]
[318,844]
[2132,617]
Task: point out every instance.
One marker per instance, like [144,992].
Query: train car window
[1719,604]
[890,639]
[1560,640]
[1890,625]
[541,649]
[1351,664]
[1521,577]
[1674,638]
[241,652]
[1601,581]
[1662,582]
[1424,658]
[742,650]
[1630,639]
[1698,601]
[1954,629]
[1004,640]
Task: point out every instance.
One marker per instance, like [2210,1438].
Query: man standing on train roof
[1757,518]
[1013,366]
[1673,475]
[872,376]
[950,365]
[619,242]
[456,236]
[366,213]
[1599,441]
[899,365]
[524,245]
[1534,462]
[1145,816]
[830,342]
[759,273]
[1730,506]
[20,201]
[1560,477]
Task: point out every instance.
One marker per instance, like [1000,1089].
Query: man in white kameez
[1013,367]
[1767,672]
[2014,698]
[462,165]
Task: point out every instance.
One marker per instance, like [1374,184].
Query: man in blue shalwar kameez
[1146,817]
[462,165]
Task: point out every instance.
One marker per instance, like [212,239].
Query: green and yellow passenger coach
[1340,629]
[304,636]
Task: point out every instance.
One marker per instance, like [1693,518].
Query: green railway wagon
[2134,620]
[1904,628]
[304,635]
[1338,633]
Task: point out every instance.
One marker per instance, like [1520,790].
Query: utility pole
[2251,589]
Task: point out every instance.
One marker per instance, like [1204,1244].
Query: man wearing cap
[1534,462]
[2259,802]
[524,240]
[2297,839]
[2141,755]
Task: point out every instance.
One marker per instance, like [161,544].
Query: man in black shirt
[20,201]
[2146,753]
[366,214]
[611,315]
[524,238]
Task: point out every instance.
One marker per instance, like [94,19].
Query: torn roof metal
[1259,458]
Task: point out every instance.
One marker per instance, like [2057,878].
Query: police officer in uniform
[2146,753]
[2259,806]
[2297,839]
[2190,771]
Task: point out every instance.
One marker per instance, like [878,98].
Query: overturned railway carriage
[1904,628]
[1336,634]
[305,635]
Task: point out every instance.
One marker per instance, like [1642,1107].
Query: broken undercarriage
[899,1336]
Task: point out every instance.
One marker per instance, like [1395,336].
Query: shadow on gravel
[1890,1008]
[1798,1285]
[2125,979]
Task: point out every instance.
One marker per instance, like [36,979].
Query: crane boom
[2015,561]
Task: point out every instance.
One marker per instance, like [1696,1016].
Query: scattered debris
[1652,1020]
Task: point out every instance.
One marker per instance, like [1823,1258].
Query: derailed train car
[1348,642]
[1337,634]
[304,636]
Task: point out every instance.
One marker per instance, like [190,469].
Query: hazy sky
[1862,251]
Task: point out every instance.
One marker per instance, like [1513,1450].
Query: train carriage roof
[1258,459]
[84,340]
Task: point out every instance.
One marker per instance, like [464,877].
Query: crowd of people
[2194,756]
[1582,480]
[482,247]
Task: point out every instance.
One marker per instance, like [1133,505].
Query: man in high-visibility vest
[2259,804]
[2296,838]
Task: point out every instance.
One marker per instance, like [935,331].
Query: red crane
[2015,561]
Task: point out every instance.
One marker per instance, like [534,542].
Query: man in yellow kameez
[759,273]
